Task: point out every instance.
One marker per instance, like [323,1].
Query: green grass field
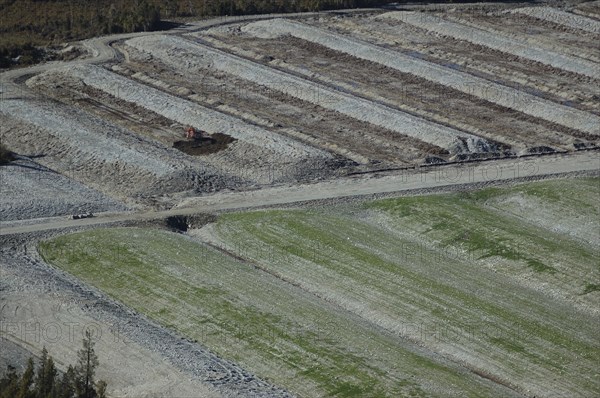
[366,300]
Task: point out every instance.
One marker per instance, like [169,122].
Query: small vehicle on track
[80,216]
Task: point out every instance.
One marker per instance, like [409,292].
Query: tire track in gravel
[370,184]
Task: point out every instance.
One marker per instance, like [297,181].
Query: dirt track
[396,182]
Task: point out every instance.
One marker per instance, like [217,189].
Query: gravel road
[369,184]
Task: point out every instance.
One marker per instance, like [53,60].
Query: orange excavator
[192,133]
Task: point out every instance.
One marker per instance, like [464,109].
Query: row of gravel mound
[88,134]
[189,113]
[497,41]
[30,190]
[100,154]
[464,82]
[561,18]
[188,56]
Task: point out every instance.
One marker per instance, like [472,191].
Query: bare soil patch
[205,145]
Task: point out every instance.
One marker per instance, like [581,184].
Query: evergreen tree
[9,384]
[86,368]
[76,382]
[46,376]
[66,387]
[101,389]
[46,373]
[26,381]
[51,375]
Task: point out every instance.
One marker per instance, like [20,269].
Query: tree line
[46,382]
[65,20]
[26,25]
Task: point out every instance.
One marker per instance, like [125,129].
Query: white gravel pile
[560,17]
[461,81]
[33,191]
[187,56]
[497,41]
[189,113]
[88,134]
[100,154]
[94,138]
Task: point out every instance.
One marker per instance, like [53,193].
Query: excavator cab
[192,133]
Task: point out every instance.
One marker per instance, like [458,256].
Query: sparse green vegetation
[453,274]
[270,327]
[591,287]
[488,224]
[449,260]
